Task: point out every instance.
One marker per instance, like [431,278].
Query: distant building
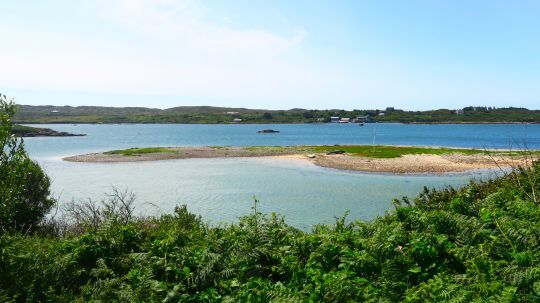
[459,112]
[381,114]
[237,120]
[363,119]
[390,109]
[320,119]
[54,111]
[345,120]
[334,119]
[232,113]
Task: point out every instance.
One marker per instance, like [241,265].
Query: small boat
[361,124]
[268,131]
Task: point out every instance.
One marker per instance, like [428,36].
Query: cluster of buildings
[359,119]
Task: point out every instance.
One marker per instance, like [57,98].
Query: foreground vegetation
[208,114]
[24,186]
[479,243]
[474,244]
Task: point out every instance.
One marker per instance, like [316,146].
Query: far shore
[28,131]
[273,122]
[383,159]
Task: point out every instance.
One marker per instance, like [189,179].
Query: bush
[474,244]
[24,187]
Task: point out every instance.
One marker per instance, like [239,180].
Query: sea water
[221,190]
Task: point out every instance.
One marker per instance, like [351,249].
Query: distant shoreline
[264,123]
[235,115]
[28,132]
[385,159]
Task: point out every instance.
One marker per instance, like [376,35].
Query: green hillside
[208,114]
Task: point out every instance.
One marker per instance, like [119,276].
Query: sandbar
[406,164]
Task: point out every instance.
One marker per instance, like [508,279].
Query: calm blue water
[222,189]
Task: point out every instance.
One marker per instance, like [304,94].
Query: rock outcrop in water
[267,131]
[27,131]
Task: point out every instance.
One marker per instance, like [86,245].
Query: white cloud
[185,23]
[184,49]
[176,51]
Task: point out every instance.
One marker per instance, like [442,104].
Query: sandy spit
[418,164]
[408,164]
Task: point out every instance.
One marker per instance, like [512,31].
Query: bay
[221,190]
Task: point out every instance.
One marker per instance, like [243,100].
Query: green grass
[217,147]
[24,128]
[384,151]
[135,151]
[377,151]
[21,130]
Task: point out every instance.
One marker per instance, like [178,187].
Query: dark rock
[268,131]
[336,152]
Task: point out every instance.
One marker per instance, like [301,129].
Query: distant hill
[209,114]
[182,114]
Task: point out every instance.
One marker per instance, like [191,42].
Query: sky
[280,54]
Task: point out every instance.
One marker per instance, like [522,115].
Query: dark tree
[308,115]
[24,187]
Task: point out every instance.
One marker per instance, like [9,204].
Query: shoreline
[419,163]
[25,131]
[274,123]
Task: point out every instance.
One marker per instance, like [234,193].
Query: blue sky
[271,54]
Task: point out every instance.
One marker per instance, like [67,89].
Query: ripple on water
[221,190]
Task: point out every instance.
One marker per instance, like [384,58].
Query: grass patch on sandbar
[384,151]
[136,151]
[375,151]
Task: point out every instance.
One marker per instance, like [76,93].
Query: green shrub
[478,243]
[24,187]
